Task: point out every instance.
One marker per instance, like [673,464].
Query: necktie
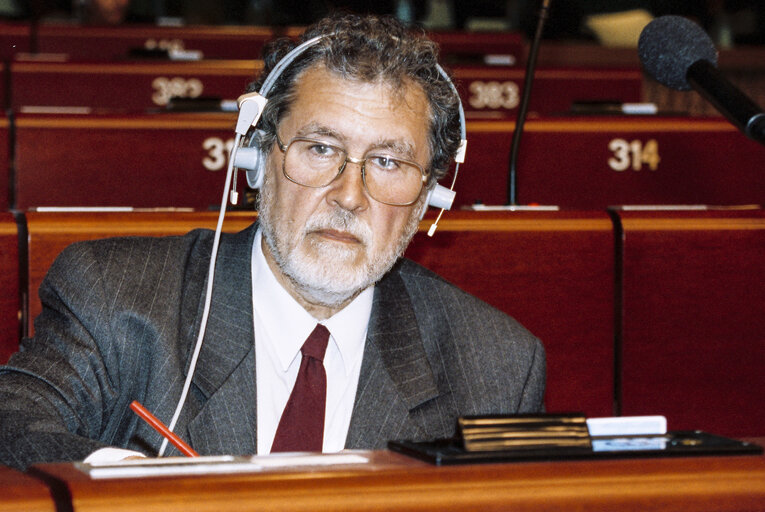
[301,427]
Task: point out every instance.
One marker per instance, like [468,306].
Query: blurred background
[730,22]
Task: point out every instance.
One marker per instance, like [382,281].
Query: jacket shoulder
[484,353]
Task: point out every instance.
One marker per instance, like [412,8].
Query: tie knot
[316,344]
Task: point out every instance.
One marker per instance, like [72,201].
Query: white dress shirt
[281,326]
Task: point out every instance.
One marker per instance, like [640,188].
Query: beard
[329,273]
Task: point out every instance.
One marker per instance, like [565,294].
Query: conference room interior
[628,235]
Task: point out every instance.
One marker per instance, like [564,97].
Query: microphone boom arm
[710,83]
[512,192]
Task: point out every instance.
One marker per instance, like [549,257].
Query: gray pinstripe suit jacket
[121,316]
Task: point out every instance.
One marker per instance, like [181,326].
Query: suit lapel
[395,374]
[225,372]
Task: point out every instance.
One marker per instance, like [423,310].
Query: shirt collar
[288,325]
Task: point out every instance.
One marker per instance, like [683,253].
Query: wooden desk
[591,163]
[146,161]
[20,492]
[126,86]
[15,37]
[585,163]
[392,482]
[115,43]
[10,299]
[487,91]
[5,161]
[492,92]
[4,96]
[463,46]
[236,42]
[692,342]
[587,55]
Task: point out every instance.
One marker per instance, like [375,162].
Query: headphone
[252,159]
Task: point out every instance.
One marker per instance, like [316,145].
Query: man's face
[330,243]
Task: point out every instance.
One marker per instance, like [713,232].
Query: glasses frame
[348,158]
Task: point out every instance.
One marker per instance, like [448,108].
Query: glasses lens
[312,163]
[393,181]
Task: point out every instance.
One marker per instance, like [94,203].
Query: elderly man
[357,130]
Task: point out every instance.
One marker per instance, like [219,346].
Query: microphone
[677,53]
[531,64]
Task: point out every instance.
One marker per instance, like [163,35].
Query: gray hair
[369,49]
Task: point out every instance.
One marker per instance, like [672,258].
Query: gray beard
[328,279]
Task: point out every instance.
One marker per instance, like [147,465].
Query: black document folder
[672,444]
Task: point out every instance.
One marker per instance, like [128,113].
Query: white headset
[252,159]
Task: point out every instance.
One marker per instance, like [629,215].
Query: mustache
[340,220]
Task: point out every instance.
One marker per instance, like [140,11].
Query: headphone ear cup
[255,178]
[252,160]
[441,197]
[438,197]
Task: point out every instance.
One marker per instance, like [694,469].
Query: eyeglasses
[315,163]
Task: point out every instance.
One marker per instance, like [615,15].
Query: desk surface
[395,482]
[23,493]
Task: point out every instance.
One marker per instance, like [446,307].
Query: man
[347,127]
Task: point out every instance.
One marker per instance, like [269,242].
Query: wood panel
[236,42]
[20,492]
[576,163]
[5,162]
[463,46]
[10,306]
[487,91]
[115,43]
[586,55]
[693,336]
[176,160]
[552,271]
[15,37]
[495,92]
[391,482]
[4,89]
[127,86]
[590,163]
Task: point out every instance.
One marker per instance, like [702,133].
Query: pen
[157,425]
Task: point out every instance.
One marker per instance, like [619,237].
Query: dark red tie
[301,427]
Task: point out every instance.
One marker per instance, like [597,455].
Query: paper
[213,465]
[628,426]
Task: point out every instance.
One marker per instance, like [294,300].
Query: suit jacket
[121,316]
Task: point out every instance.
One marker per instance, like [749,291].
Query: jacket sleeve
[532,396]
[54,392]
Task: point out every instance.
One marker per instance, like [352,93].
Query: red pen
[160,427]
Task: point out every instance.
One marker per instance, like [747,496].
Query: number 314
[633,154]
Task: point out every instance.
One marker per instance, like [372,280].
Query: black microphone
[531,65]
[677,53]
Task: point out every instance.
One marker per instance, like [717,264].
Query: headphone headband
[288,59]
